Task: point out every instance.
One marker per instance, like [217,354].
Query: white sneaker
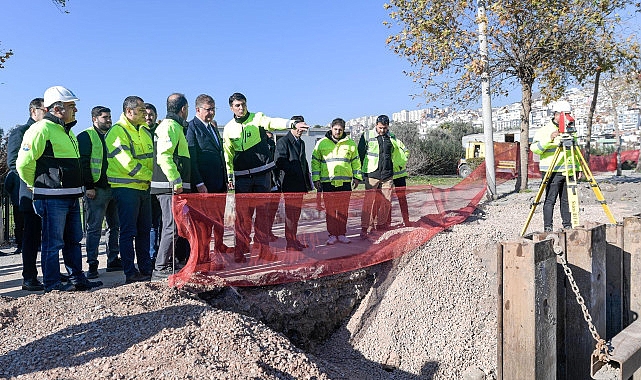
[344,239]
[331,240]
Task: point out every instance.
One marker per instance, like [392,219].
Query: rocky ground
[428,315]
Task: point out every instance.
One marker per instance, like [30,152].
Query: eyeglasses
[213,109]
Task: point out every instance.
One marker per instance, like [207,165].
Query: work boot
[115,265]
[93,271]
[32,285]
[87,285]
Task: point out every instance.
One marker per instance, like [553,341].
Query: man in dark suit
[26,216]
[291,159]
[208,169]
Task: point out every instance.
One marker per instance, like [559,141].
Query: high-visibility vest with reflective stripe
[244,145]
[49,161]
[545,148]
[400,160]
[95,162]
[335,162]
[370,161]
[130,154]
[172,166]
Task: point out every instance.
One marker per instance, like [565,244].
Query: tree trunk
[526,106]
[617,135]
[595,94]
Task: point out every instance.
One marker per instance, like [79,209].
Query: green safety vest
[96,154]
[545,148]
[399,155]
[335,162]
[130,155]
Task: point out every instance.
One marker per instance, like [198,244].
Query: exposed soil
[428,315]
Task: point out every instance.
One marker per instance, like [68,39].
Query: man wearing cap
[48,162]
[546,141]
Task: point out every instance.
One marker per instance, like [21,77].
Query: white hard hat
[58,94]
[562,106]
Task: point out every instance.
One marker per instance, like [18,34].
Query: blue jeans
[101,207]
[61,230]
[134,212]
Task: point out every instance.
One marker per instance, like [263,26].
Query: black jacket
[22,194]
[293,165]
[207,157]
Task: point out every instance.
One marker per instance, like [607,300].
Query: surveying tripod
[570,151]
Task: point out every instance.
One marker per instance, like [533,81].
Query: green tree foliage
[528,41]
[438,153]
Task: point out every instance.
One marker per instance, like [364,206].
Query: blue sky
[321,59]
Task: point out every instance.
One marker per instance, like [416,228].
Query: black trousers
[556,188]
[31,240]
[247,204]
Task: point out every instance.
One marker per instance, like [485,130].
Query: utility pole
[486,99]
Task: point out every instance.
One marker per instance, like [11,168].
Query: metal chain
[601,348]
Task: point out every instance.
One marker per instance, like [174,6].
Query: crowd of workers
[129,171]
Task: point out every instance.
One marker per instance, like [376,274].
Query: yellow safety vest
[130,154]
[545,148]
[335,162]
[96,154]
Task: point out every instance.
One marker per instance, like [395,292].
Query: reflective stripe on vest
[96,154]
[254,170]
[63,191]
[169,185]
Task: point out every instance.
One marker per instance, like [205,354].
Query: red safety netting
[431,210]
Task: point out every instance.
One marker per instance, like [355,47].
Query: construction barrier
[431,210]
[548,331]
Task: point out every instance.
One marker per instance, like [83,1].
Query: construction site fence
[431,210]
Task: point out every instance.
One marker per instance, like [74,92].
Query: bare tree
[529,42]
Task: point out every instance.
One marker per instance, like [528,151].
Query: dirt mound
[429,314]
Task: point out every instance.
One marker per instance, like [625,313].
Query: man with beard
[99,202]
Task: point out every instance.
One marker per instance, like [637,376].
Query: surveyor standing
[546,141]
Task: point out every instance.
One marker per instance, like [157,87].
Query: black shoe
[138,277]
[114,266]
[87,285]
[61,287]
[301,244]
[295,246]
[161,275]
[64,278]
[93,271]
[32,285]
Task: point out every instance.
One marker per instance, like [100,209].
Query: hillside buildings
[508,117]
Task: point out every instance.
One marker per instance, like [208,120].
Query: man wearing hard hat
[48,163]
[546,141]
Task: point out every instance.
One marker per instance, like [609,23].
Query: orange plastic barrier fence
[431,210]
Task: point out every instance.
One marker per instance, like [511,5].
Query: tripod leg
[571,184]
[537,199]
[595,187]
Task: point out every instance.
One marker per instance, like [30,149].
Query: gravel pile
[430,314]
